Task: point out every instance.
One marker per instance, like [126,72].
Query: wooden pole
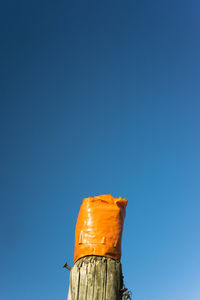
[97,272]
[96,278]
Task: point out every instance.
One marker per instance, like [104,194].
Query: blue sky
[100,97]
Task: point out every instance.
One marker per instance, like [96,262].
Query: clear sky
[100,97]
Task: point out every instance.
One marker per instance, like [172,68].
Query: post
[95,278]
[97,272]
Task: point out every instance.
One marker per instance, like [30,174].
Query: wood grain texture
[95,278]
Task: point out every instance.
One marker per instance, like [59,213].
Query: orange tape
[99,227]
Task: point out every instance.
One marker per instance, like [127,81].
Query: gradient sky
[100,97]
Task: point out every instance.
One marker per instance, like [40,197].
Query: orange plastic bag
[99,227]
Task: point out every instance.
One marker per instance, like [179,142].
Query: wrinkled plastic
[99,227]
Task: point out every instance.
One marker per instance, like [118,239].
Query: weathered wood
[95,278]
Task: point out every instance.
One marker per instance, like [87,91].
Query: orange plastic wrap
[99,227]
